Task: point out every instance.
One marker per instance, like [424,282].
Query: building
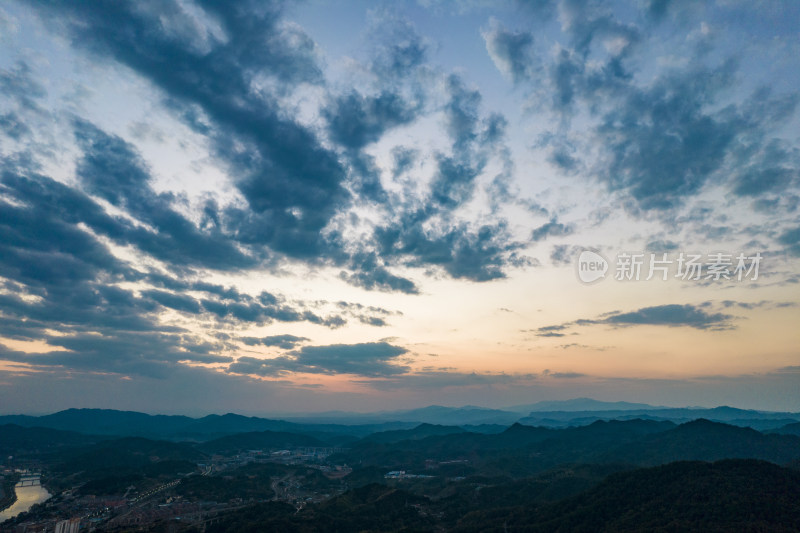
[73,525]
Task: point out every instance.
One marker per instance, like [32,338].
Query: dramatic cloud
[154,355]
[552,228]
[562,375]
[356,120]
[661,140]
[662,169]
[291,183]
[372,359]
[511,52]
[551,331]
[438,379]
[398,51]
[672,315]
[791,239]
[285,342]
[111,169]
[421,236]
[183,182]
[370,274]
[564,254]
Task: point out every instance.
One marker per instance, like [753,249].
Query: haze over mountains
[554,414]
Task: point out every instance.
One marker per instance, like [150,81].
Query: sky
[268,207]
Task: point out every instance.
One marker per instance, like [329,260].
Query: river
[27,497]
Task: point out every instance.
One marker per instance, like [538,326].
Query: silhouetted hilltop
[351,426]
[730,415]
[18,440]
[789,429]
[419,432]
[582,404]
[707,441]
[726,496]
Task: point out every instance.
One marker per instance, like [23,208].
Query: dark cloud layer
[418,236]
[294,186]
[791,239]
[671,315]
[356,120]
[512,52]
[285,342]
[112,274]
[552,228]
[662,141]
[57,267]
[111,169]
[60,277]
[372,359]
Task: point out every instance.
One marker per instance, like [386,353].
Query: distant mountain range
[581,404]
[760,420]
[340,428]
[177,427]
[432,414]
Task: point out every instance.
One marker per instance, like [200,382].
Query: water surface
[27,497]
